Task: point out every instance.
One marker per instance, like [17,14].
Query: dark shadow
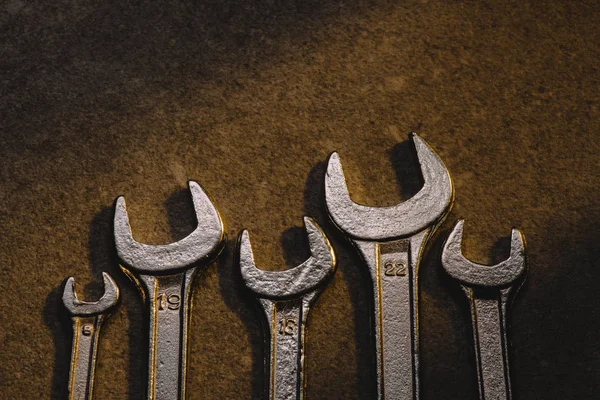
[500,250]
[245,305]
[294,243]
[103,258]
[356,277]
[406,166]
[145,48]
[59,322]
[181,215]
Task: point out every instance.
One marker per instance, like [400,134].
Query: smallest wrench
[286,298]
[87,319]
[489,290]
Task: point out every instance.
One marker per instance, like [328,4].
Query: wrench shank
[394,269]
[489,331]
[83,356]
[287,324]
[169,311]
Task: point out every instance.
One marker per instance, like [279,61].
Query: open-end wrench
[391,241]
[286,298]
[87,319]
[489,290]
[164,275]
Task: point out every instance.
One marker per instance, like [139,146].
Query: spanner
[391,241]
[286,298]
[489,290]
[164,275]
[87,319]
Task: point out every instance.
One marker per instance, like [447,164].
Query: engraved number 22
[394,269]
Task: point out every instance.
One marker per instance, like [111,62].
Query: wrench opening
[204,240]
[294,281]
[425,208]
[470,273]
[77,307]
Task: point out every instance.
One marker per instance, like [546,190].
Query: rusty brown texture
[104,98]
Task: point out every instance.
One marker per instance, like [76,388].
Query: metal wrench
[391,241]
[489,290]
[87,319]
[164,274]
[286,298]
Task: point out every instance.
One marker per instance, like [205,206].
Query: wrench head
[472,274]
[428,206]
[201,244]
[295,281]
[78,308]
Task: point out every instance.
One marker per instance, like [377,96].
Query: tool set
[390,242]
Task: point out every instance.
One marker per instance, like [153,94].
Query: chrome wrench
[286,298]
[87,319]
[489,290]
[164,275]
[391,241]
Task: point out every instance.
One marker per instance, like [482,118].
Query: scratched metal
[489,290]
[286,298]
[164,275]
[87,320]
[391,241]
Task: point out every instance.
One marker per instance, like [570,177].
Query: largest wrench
[391,241]
[164,274]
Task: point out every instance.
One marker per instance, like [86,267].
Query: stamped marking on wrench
[286,298]
[391,240]
[489,290]
[164,274]
[87,319]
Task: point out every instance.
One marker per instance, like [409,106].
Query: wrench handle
[394,267]
[491,346]
[169,314]
[287,324]
[86,331]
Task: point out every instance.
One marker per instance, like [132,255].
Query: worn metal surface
[87,319]
[391,241]
[489,290]
[164,275]
[286,298]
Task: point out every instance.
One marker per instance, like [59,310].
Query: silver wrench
[87,319]
[164,274]
[286,298]
[391,241]
[489,290]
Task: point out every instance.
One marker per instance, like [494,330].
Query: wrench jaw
[164,275]
[293,282]
[199,246]
[286,298]
[79,308]
[501,275]
[427,208]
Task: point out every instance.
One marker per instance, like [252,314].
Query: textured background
[102,98]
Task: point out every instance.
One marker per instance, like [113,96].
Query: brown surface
[114,97]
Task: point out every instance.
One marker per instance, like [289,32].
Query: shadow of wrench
[164,274]
[87,319]
[489,290]
[286,298]
[391,241]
